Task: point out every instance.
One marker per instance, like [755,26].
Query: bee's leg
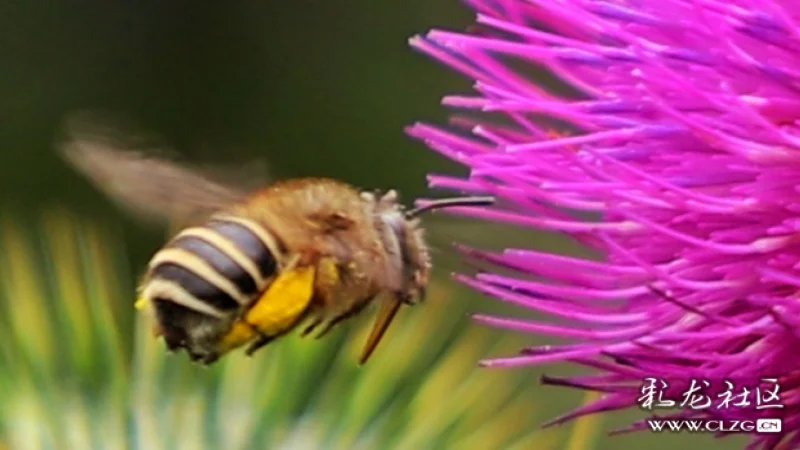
[327,278]
[346,315]
[263,340]
[258,343]
[313,325]
[281,307]
[329,326]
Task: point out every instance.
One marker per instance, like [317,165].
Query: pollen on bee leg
[284,303]
[239,334]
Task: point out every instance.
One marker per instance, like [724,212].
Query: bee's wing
[244,177]
[136,174]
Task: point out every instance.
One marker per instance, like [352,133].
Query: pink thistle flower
[681,174]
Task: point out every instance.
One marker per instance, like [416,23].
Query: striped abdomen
[210,271]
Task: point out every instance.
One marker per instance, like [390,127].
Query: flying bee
[247,266]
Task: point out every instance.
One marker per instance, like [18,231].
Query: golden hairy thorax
[316,218]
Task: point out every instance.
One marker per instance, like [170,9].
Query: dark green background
[317,88]
[320,88]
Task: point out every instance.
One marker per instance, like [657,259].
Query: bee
[248,265]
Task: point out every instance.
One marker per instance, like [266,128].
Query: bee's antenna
[450,202]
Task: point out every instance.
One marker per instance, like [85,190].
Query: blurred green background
[317,88]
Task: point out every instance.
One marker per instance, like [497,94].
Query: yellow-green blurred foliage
[79,373]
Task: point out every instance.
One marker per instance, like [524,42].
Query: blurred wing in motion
[244,177]
[136,173]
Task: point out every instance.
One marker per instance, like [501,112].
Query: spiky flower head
[677,167]
[77,373]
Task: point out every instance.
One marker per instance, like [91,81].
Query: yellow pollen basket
[240,334]
[276,310]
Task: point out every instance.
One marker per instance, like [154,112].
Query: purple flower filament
[680,172]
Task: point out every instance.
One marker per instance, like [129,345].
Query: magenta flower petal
[680,172]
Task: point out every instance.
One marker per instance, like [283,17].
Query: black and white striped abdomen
[213,269]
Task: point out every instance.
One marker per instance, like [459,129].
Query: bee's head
[403,238]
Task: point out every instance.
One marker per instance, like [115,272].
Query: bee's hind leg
[258,343]
[278,311]
[263,340]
